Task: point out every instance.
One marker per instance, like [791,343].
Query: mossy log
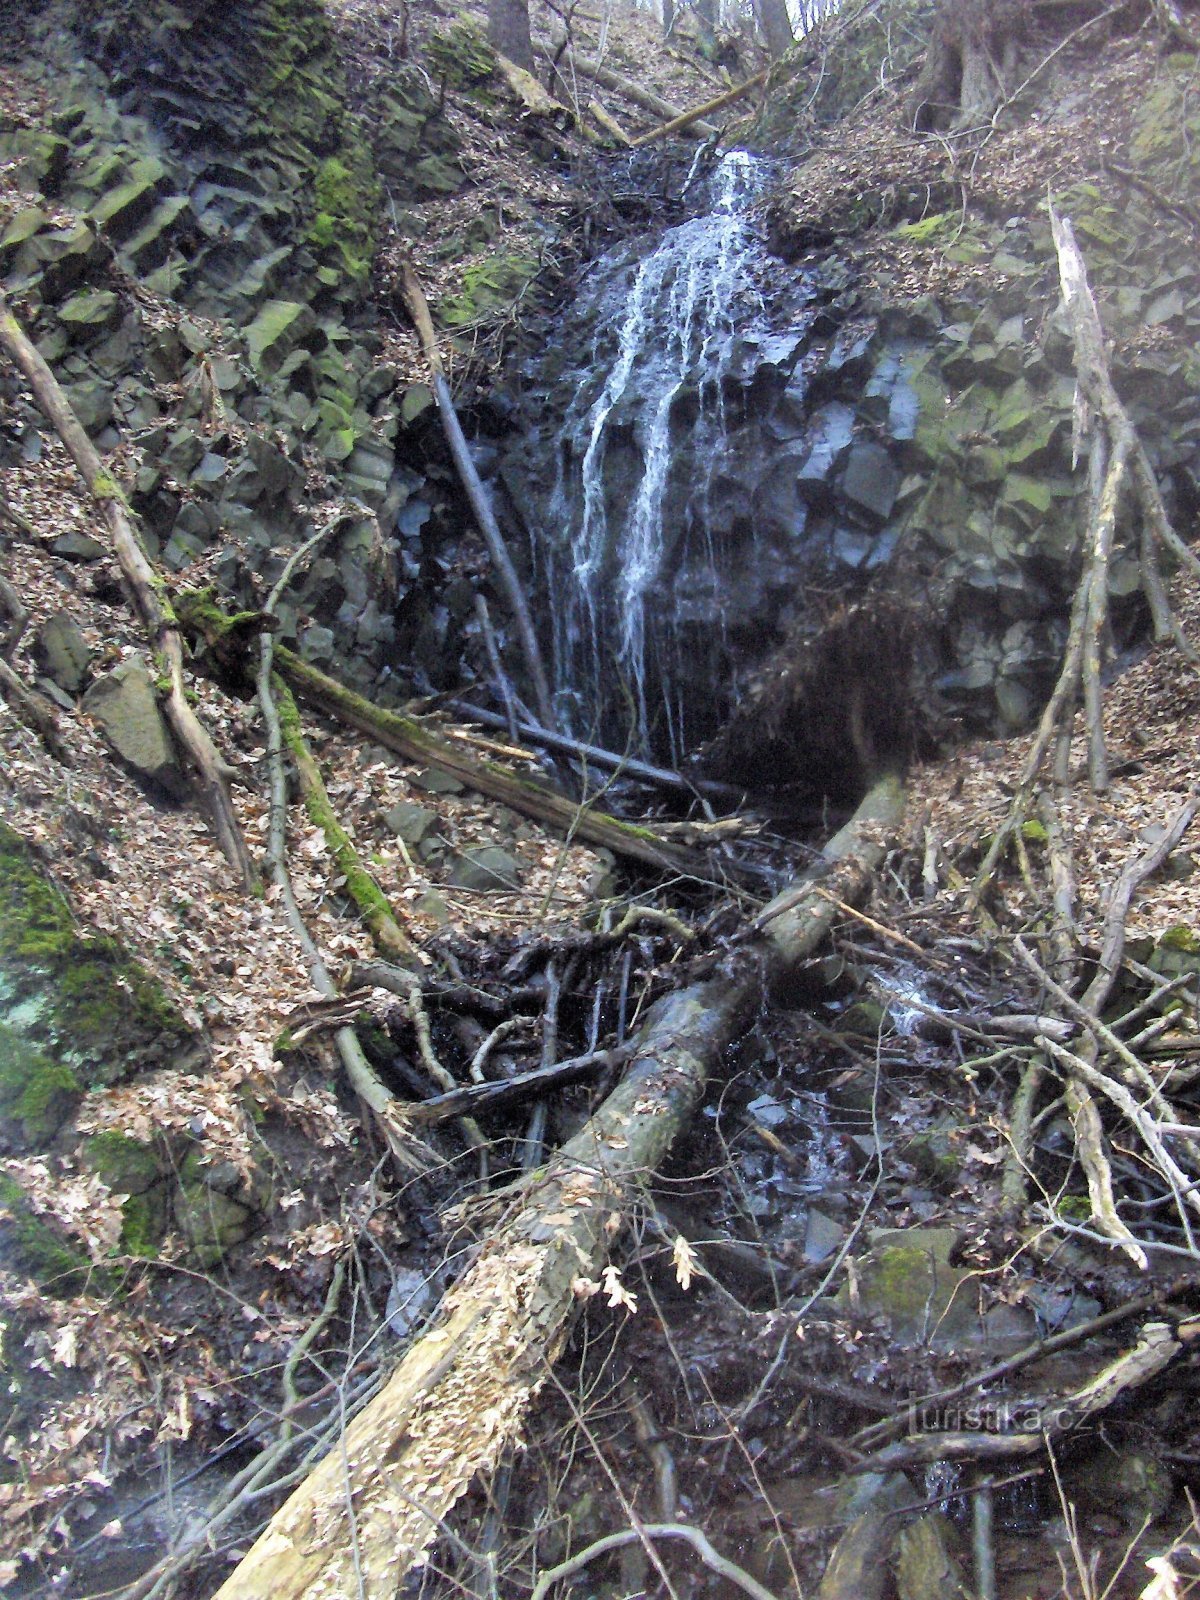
[408,738]
[211,772]
[369,1511]
[390,939]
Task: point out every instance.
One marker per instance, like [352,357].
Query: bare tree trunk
[969,65]
[418,310]
[508,31]
[772,17]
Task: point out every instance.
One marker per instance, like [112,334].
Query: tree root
[459,1396]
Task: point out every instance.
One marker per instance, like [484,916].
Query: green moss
[35,1090]
[37,1248]
[360,885]
[489,287]
[126,1165]
[346,197]
[939,229]
[90,1003]
[143,1227]
[461,56]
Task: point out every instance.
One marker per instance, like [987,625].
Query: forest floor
[840,1122]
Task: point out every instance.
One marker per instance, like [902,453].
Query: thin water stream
[666,338]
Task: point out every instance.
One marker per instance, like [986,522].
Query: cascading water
[668,338]
[702,441]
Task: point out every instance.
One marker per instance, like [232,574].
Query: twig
[653,1530]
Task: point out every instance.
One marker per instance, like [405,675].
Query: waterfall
[667,333]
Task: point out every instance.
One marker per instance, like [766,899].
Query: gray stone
[434,781]
[432,905]
[51,690]
[123,702]
[907,1280]
[410,822]
[78,547]
[62,652]
[489,868]
[317,644]
[872,480]
[822,1236]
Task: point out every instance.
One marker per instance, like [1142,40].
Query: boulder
[123,702]
[489,868]
[410,822]
[62,653]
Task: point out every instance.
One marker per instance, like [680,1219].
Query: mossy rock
[80,998]
[137,1170]
[489,287]
[461,56]
[36,1092]
[211,1222]
[35,1247]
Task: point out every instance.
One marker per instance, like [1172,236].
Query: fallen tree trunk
[418,310]
[624,766]
[409,739]
[211,772]
[597,72]
[458,1399]
[688,118]
[500,1095]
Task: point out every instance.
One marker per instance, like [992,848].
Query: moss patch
[36,1091]
[36,1247]
[79,997]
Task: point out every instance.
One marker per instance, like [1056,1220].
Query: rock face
[123,702]
[732,436]
[211,151]
[889,515]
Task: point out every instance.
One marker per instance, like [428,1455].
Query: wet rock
[857,1569]
[926,1568]
[489,868]
[62,653]
[907,1280]
[123,702]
